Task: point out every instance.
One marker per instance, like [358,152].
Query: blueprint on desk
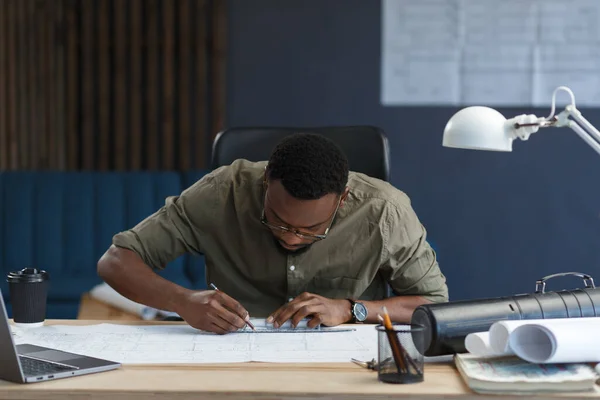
[167,344]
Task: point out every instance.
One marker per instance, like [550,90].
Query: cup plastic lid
[27,275]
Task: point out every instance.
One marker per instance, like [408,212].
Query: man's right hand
[212,311]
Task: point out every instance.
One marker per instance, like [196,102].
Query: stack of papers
[511,374]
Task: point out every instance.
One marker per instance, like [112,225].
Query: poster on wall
[484,52]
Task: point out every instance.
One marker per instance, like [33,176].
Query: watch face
[360,311]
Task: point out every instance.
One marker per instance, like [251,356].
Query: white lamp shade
[478,128]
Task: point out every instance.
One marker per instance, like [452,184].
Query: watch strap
[352,303]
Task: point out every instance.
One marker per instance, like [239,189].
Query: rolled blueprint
[552,341]
[478,343]
[500,332]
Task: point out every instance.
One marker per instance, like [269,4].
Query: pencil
[394,343]
[247,322]
[402,352]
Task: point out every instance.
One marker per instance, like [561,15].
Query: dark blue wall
[498,220]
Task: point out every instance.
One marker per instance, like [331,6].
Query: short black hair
[309,166]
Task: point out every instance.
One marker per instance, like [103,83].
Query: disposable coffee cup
[28,294]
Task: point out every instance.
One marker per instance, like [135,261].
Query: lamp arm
[525,125]
[581,120]
[586,136]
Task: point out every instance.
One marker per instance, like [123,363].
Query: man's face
[307,217]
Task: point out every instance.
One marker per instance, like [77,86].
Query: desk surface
[242,380]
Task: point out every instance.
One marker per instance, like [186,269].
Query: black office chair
[366,147]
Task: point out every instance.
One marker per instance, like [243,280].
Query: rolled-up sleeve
[172,230]
[409,263]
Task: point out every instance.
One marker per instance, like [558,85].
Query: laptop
[26,363]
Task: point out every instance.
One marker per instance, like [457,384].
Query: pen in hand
[247,322]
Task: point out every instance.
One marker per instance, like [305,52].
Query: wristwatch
[358,310]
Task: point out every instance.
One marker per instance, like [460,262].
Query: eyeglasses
[298,232]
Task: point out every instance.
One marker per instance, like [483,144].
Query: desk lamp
[448,324]
[483,128]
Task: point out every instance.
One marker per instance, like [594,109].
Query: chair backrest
[366,147]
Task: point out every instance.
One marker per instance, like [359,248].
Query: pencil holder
[400,359]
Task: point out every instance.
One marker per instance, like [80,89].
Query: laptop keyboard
[35,367]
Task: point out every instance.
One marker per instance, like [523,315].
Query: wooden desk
[244,380]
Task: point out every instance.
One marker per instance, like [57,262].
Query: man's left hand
[320,310]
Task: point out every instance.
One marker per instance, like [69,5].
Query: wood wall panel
[200,10]
[184,34]
[121,42]
[23,16]
[11,106]
[111,84]
[135,89]
[152,62]
[71,36]
[89,76]
[30,131]
[4,158]
[168,88]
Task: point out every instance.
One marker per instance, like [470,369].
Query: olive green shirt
[375,238]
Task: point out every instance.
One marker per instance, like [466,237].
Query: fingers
[218,321]
[297,309]
[282,314]
[306,311]
[213,311]
[230,320]
[217,328]
[232,305]
[315,321]
[209,323]
[222,313]
[275,319]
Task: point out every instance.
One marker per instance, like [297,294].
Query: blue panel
[55,310]
[140,197]
[79,203]
[62,310]
[70,288]
[191,177]
[196,270]
[18,220]
[63,222]
[48,222]
[166,184]
[109,212]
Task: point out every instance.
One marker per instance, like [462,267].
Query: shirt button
[290,299]
[292,267]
